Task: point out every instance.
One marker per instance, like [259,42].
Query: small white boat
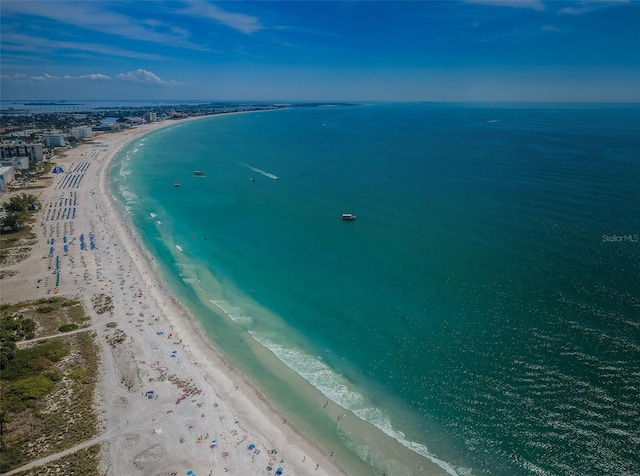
[348,216]
[176,184]
[198,173]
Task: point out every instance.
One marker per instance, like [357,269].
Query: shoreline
[141,436]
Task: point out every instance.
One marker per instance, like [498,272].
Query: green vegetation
[68,327]
[34,360]
[80,463]
[13,328]
[18,322]
[16,237]
[47,388]
[19,209]
[21,203]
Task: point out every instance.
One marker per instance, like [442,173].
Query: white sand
[142,436]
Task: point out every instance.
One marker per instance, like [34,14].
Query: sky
[454,50]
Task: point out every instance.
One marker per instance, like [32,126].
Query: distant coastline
[60,103]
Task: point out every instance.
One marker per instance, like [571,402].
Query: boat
[198,173]
[176,184]
[348,216]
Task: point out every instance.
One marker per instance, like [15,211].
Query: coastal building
[113,127]
[135,121]
[150,117]
[16,162]
[19,150]
[6,177]
[54,139]
[83,132]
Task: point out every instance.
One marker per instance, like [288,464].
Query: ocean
[481,316]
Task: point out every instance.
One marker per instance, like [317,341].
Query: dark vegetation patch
[46,387]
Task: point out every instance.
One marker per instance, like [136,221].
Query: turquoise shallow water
[482,311]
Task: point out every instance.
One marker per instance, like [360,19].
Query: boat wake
[259,171]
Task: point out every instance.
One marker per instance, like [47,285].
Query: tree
[15,220]
[21,203]
[7,352]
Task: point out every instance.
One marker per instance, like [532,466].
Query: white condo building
[6,177]
[85,132]
[54,139]
[11,151]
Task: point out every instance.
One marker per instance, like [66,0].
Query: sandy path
[143,436]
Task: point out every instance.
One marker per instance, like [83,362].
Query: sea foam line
[234,313]
[334,387]
[266,174]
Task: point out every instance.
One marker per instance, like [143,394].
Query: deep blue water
[484,308]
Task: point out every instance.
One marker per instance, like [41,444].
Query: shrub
[29,361]
[76,313]
[44,308]
[30,388]
[67,327]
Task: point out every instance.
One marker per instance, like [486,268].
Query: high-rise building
[54,139]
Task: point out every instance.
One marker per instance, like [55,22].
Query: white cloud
[550,28]
[91,76]
[96,16]
[238,21]
[138,76]
[532,4]
[588,7]
[33,44]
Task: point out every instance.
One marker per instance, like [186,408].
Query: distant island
[60,103]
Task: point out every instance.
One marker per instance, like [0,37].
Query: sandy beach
[202,415]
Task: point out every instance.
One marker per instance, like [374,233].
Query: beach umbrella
[251,446]
[174,352]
